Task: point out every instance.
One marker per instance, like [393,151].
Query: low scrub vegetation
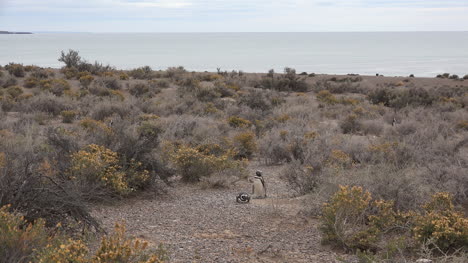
[22,241]
[89,133]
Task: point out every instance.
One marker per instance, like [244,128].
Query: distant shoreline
[14,33]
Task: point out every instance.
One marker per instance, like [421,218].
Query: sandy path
[209,226]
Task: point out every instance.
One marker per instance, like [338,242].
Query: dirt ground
[197,225]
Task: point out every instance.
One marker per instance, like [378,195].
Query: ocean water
[393,54]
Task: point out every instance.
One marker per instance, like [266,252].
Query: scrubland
[381,162]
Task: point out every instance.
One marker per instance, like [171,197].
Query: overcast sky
[233,16]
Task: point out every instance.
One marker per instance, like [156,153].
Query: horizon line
[217,32]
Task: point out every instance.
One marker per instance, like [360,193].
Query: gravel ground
[198,225]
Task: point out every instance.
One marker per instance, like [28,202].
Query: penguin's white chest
[258,189]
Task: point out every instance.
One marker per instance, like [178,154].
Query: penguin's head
[258,173]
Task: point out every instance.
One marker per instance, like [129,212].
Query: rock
[423,260]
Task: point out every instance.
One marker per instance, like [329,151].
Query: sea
[424,54]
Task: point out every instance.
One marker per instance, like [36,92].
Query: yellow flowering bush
[245,144]
[326,97]
[339,159]
[91,125]
[352,221]
[19,240]
[124,76]
[193,163]
[86,80]
[70,251]
[343,218]
[24,242]
[117,248]
[441,224]
[98,164]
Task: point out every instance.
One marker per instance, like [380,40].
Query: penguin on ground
[258,186]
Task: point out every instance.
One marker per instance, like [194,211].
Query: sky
[233,15]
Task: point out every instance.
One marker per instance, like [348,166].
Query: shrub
[70,73]
[238,122]
[20,240]
[245,144]
[141,73]
[301,179]
[455,77]
[465,77]
[10,81]
[442,225]
[68,116]
[124,76]
[71,59]
[139,89]
[119,248]
[47,103]
[86,80]
[99,165]
[108,109]
[14,91]
[16,70]
[326,97]
[350,124]
[55,86]
[344,216]
[31,82]
[193,164]
[91,125]
[110,83]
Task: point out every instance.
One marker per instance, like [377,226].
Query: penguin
[258,185]
[243,198]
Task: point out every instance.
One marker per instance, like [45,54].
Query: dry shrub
[109,82]
[326,97]
[245,144]
[141,73]
[68,116]
[139,89]
[47,103]
[30,182]
[14,92]
[55,86]
[302,180]
[8,82]
[16,70]
[350,124]
[238,122]
[109,108]
[372,127]
[22,242]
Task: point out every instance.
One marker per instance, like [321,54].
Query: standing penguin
[258,186]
